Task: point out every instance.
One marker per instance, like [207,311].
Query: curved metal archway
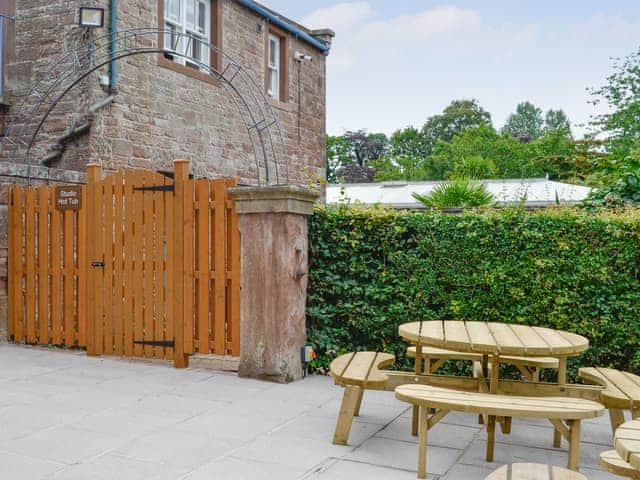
[261,122]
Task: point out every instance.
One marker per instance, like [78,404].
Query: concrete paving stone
[179,449]
[593,474]
[503,454]
[542,436]
[129,423]
[18,467]
[221,392]
[404,455]
[349,470]
[175,406]
[231,468]
[597,431]
[114,467]
[441,435]
[64,444]
[20,420]
[317,428]
[370,412]
[228,419]
[291,451]
[468,472]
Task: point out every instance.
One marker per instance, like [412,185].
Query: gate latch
[97,264]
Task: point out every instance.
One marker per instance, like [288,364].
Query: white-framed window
[188,24]
[273,67]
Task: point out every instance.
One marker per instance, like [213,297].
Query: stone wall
[160,114]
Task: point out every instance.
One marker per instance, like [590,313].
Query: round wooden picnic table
[492,339]
[627,442]
[495,339]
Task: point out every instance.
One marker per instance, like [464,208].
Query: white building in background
[531,192]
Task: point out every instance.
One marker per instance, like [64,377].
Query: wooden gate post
[182,202]
[273,278]
[94,218]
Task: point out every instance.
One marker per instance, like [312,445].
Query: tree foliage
[526,124]
[460,115]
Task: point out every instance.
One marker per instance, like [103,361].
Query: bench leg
[574,445]
[505,425]
[422,441]
[617,418]
[562,380]
[491,437]
[347,410]
[359,403]
[535,375]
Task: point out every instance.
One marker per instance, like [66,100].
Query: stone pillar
[274,266]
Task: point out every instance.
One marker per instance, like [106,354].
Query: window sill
[280,105]
[187,71]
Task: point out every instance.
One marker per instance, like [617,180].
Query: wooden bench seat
[611,462]
[529,366]
[621,392]
[435,403]
[356,372]
[534,471]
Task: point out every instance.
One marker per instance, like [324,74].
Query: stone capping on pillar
[274,199]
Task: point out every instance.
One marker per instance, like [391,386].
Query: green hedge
[372,270]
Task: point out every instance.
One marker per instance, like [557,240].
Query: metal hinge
[156,188]
[97,264]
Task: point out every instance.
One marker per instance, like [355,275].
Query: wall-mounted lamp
[299,56]
[91,17]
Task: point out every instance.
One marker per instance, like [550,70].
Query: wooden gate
[147,267]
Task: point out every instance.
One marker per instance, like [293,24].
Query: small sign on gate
[68,198]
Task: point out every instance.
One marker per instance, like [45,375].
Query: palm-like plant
[457,194]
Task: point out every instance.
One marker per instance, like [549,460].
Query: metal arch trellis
[258,116]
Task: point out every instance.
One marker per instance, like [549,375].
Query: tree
[405,158]
[457,117]
[621,125]
[509,157]
[557,121]
[366,146]
[338,154]
[526,124]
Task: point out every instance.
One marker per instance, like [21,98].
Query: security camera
[299,56]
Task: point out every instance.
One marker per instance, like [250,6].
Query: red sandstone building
[166,85]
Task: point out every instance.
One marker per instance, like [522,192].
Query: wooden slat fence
[46,287]
[149,267]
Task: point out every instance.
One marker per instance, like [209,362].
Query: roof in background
[535,191]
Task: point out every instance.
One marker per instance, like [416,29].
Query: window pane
[273,52]
[174,9]
[273,82]
[202,17]
[191,14]
[171,39]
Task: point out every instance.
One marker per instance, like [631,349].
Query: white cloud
[339,17]
[424,25]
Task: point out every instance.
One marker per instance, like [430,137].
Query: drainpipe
[113,71]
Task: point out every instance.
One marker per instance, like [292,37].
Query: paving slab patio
[66,416]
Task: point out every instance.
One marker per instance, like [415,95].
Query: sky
[394,63]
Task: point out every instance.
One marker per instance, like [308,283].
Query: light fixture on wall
[91,17]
